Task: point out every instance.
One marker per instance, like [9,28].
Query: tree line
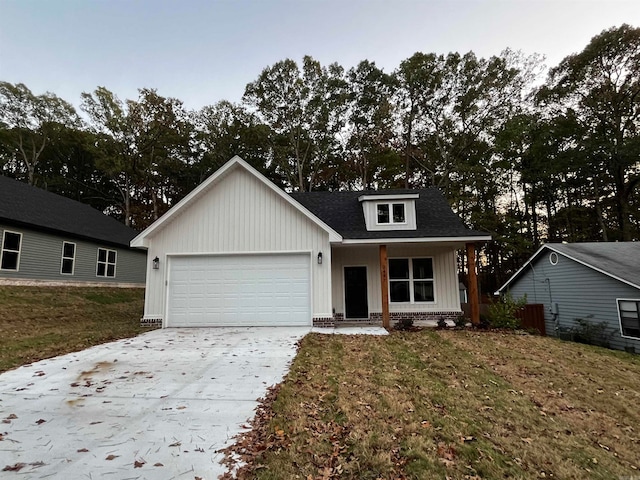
[525,156]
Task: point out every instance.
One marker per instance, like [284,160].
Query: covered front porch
[383,283]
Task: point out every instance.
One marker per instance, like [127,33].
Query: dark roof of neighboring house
[32,207]
[343,212]
[619,260]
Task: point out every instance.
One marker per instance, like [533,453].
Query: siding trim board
[383,241]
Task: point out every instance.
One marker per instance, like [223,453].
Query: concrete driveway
[157,406]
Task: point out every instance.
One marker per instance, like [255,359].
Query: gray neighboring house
[595,282]
[49,239]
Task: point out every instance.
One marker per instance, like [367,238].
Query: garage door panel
[239,290]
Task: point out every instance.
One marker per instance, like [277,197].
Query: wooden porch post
[384,283]
[474,301]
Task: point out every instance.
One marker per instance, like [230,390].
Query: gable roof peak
[141,241]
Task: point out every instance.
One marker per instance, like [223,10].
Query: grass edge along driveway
[456,404]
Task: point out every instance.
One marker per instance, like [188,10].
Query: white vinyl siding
[239,214]
[446,286]
[10,250]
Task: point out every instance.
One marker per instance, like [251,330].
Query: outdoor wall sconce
[156,263]
[319,258]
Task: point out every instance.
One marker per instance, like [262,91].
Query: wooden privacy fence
[532,317]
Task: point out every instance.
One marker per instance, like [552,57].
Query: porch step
[361,323]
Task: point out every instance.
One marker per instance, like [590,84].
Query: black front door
[355,292]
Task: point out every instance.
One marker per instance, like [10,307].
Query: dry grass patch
[424,405]
[42,322]
[594,391]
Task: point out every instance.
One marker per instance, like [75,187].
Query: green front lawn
[42,322]
[448,404]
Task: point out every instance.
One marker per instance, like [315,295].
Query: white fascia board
[141,241]
[395,196]
[369,241]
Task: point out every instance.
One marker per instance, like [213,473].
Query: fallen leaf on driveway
[82,450]
[14,468]
[138,463]
[40,422]
[158,464]
[176,444]
[111,457]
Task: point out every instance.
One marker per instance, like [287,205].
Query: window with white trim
[390,213]
[629,312]
[10,251]
[68,261]
[106,263]
[411,280]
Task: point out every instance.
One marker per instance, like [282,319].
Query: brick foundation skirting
[330,322]
[151,322]
[324,322]
[398,316]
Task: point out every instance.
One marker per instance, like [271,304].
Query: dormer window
[395,211]
[391,213]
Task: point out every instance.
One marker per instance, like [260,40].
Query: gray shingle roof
[27,206]
[343,212]
[618,259]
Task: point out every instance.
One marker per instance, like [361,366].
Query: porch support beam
[472,279]
[384,284]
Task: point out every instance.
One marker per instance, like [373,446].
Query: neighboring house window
[68,258]
[629,311]
[10,252]
[106,263]
[389,213]
[411,280]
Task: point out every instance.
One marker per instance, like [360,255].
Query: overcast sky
[205,51]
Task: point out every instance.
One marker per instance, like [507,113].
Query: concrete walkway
[157,406]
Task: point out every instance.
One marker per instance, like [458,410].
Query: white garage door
[239,290]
